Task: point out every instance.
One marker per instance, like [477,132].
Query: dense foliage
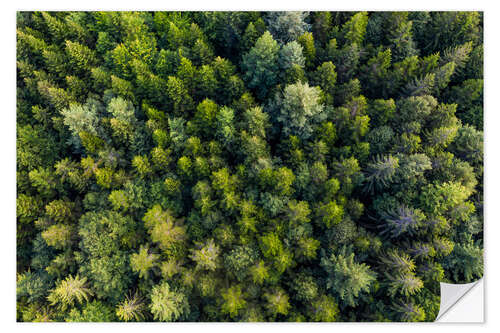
[247,166]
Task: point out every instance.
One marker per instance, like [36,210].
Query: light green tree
[168,304]
[131,308]
[70,291]
[143,261]
[298,109]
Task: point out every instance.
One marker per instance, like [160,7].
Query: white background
[8,158]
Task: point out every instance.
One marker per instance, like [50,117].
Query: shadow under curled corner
[462,303]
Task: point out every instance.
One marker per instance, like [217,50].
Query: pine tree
[168,304]
[298,109]
[260,65]
[347,278]
[70,290]
[143,261]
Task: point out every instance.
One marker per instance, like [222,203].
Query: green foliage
[287,26]
[260,65]
[324,309]
[32,286]
[206,256]
[406,284]
[70,291]
[104,238]
[80,55]
[233,301]
[330,214]
[131,308]
[58,236]
[81,118]
[409,312]
[306,40]
[466,261]
[354,30]
[35,148]
[326,77]
[247,166]
[348,279]
[291,54]
[143,261]
[168,304]
[298,109]
[162,227]
[277,302]
[95,311]
[239,261]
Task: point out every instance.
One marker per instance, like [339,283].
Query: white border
[7,159]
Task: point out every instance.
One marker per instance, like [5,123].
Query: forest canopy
[247,166]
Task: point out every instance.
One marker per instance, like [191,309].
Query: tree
[81,118]
[225,130]
[347,278]
[206,82]
[399,262]
[309,50]
[401,37]
[402,221]
[162,227]
[409,312]
[305,287]
[70,290]
[247,166]
[466,262]
[298,212]
[377,72]
[322,26]
[406,284]
[80,55]
[131,308]
[259,272]
[168,304]
[179,99]
[380,172]
[330,213]
[239,261]
[44,180]
[257,121]
[233,301]
[260,65]
[34,147]
[354,30]
[94,311]
[32,286]
[291,62]
[104,238]
[298,109]
[468,144]
[468,97]
[122,110]
[277,302]
[325,78]
[58,236]
[324,309]
[206,255]
[143,261]
[287,26]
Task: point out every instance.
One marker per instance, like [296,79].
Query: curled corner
[461,302]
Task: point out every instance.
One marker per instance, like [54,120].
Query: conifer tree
[260,65]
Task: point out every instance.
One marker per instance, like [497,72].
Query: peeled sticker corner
[462,303]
